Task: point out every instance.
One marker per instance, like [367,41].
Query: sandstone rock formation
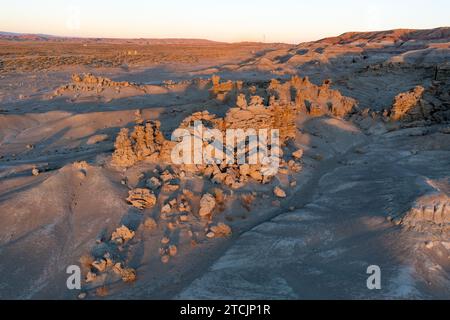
[310,98]
[127,274]
[285,101]
[207,205]
[209,120]
[123,155]
[320,100]
[405,102]
[430,213]
[277,108]
[145,143]
[223,91]
[122,235]
[141,198]
[87,82]
[423,106]
[221,230]
[258,116]
[148,140]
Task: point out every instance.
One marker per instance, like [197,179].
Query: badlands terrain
[86,176]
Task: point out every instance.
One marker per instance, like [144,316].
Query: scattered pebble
[173,250]
[165,259]
[279,192]
[298,154]
[82,295]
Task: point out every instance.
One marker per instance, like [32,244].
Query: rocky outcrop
[442,72]
[87,82]
[148,140]
[144,143]
[422,106]
[321,100]
[253,115]
[430,213]
[258,116]
[122,235]
[277,111]
[127,274]
[303,95]
[208,120]
[405,102]
[123,155]
[221,230]
[224,91]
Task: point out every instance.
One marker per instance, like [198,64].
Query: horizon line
[13,33]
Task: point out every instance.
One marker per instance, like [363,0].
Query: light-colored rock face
[296,94]
[405,102]
[321,100]
[423,105]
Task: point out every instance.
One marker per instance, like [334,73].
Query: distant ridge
[13,36]
[442,33]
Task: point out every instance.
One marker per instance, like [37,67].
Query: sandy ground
[316,243]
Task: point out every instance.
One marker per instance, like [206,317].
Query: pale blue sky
[290,21]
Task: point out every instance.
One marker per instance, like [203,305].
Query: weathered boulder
[221,230]
[141,198]
[279,192]
[122,234]
[207,205]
